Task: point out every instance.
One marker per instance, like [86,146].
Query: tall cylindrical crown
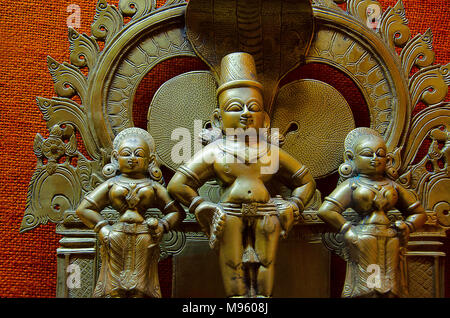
[238,70]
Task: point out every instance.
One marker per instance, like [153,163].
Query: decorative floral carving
[53,148]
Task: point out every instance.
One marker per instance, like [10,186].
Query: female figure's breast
[372,202]
[132,200]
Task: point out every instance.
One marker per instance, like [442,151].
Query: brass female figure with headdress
[374,247]
[129,248]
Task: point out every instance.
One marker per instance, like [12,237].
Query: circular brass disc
[177,104]
[315,119]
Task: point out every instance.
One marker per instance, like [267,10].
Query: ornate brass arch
[121,49]
[153,36]
[374,47]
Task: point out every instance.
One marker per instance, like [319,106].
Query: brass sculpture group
[246,224]
[245,189]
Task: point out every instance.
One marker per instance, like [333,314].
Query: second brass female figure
[374,245]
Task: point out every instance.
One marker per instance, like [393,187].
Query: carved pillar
[426,263]
[79,248]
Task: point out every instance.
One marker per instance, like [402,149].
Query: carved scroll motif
[430,85]
[418,52]
[58,111]
[359,8]
[107,21]
[394,26]
[136,8]
[68,79]
[84,49]
[430,178]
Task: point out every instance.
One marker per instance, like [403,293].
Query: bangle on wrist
[195,203]
[345,227]
[168,207]
[411,226]
[99,225]
[299,203]
[165,225]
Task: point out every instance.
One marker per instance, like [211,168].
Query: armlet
[413,206]
[335,203]
[300,173]
[191,175]
[91,201]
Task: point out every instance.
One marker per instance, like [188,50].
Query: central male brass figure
[246,224]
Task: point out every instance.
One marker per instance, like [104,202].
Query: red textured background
[31,30]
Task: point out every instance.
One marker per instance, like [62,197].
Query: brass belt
[375,230]
[250,209]
[130,228]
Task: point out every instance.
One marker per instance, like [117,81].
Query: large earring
[209,135]
[346,170]
[154,170]
[216,120]
[270,136]
[391,172]
[110,170]
[266,120]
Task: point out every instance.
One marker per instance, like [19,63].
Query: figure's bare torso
[242,175]
[130,199]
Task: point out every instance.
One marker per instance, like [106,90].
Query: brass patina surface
[296,112]
[96,90]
